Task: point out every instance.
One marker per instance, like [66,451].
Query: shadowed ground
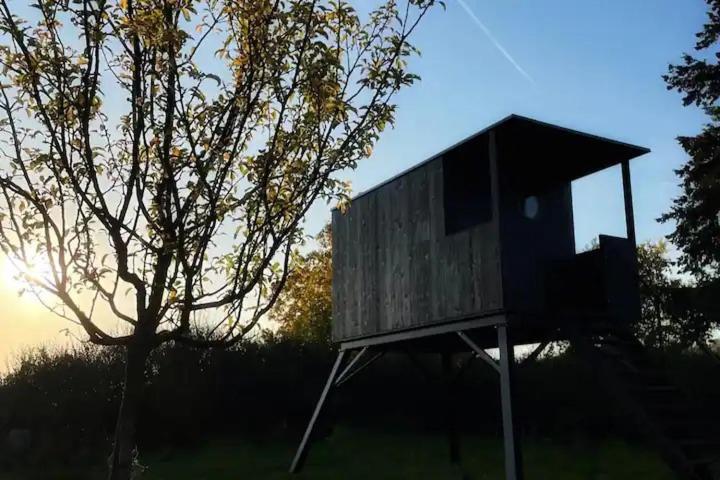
[353,454]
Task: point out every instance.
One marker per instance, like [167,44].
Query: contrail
[495,41]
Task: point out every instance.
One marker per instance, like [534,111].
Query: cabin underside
[444,337]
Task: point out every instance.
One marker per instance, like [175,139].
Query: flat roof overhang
[545,153]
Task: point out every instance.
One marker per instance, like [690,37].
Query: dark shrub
[67,399]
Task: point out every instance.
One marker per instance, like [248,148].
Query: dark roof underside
[543,153]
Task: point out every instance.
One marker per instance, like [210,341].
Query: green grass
[352,454]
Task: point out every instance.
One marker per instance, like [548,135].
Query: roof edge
[641,150]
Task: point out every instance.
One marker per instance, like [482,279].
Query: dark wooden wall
[531,246]
[399,262]
[394,266]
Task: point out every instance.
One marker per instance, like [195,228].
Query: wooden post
[494,159]
[627,194]
[513,458]
[301,454]
[449,396]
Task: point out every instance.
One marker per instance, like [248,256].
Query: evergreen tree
[696,211]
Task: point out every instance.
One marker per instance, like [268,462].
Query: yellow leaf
[124,4]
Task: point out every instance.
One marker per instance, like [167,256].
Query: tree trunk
[121,460]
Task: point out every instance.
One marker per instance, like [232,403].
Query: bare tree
[158,156]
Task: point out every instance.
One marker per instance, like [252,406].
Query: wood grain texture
[396,267]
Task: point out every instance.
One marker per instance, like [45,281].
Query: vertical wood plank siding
[395,268]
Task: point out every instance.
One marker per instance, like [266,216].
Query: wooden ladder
[665,413]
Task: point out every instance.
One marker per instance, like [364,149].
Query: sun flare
[19,276]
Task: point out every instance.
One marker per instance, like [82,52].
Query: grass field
[352,454]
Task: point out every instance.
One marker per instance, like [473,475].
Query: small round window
[531,207]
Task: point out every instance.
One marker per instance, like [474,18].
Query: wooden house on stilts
[474,249]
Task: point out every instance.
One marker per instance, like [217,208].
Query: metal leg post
[513,459]
[302,451]
[450,420]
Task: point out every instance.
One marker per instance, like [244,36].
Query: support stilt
[513,459]
[347,376]
[301,454]
[505,366]
[450,420]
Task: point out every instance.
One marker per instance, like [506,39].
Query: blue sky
[594,65]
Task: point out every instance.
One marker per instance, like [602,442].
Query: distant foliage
[664,323]
[304,309]
[655,290]
[696,211]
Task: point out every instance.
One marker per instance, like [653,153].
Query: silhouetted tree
[696,211]
[166,187]
[665,322]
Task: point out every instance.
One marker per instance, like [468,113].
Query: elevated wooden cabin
[474,249]
[483,230]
